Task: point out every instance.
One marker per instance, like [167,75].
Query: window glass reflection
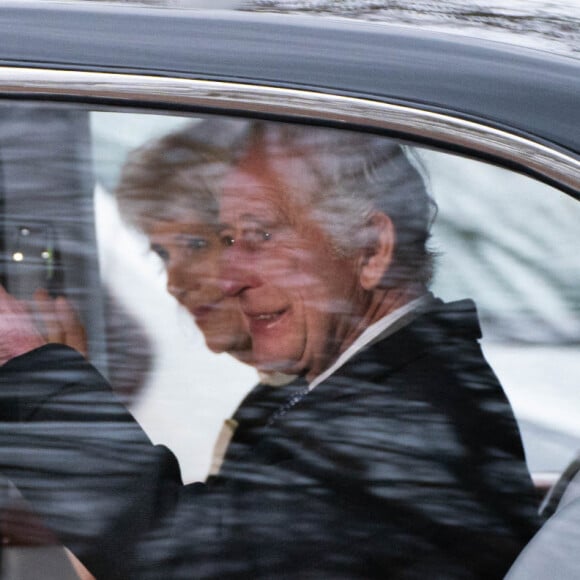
[294,313]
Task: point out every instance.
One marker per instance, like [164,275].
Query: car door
[505,234]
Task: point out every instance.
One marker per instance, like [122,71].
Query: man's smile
[261,321]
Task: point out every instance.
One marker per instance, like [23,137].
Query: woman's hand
[18,332]
[60,320]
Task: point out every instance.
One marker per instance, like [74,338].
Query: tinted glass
[296,313]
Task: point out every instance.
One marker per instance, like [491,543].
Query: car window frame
[544,161]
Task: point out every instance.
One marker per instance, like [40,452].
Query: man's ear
[378,250]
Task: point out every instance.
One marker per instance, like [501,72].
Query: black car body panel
[528,92]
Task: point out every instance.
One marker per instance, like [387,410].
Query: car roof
[531,92]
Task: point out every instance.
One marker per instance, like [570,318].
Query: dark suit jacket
[405,463]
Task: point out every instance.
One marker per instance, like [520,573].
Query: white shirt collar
[381,328]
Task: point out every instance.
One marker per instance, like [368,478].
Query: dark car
[493,129]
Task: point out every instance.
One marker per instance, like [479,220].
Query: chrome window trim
[555,165]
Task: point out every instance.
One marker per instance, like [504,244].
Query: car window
[184,242]
[506,240]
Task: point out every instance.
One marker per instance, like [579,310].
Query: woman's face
[190,249]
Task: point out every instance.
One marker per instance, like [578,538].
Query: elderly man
[395,453]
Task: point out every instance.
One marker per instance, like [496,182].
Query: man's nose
[237,271]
